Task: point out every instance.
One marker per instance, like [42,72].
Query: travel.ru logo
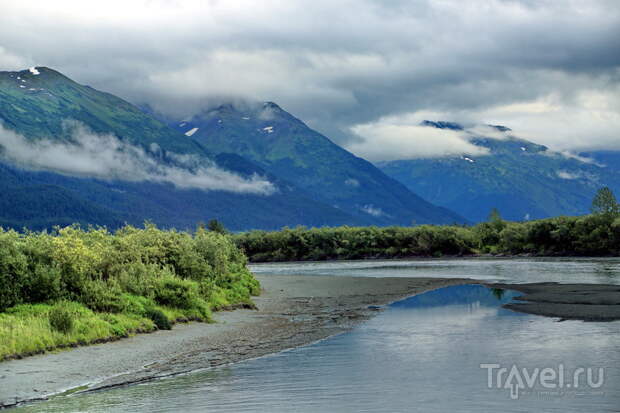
[549,379]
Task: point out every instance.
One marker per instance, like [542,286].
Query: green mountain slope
[286,147]
[38,106]
[522,179]
[38,103]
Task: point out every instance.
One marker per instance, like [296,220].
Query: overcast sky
[364,72]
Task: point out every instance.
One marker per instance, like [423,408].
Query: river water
[435,352]
[513,270]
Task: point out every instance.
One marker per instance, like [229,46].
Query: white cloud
[567,175]
[571,155]
[106,157]
[588,120]
[390,139]
[372,210]
[488,132]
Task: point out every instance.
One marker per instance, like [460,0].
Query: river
[441,351]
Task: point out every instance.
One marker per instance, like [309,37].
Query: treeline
[75,286]
[590,235]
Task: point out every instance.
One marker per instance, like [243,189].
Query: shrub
[44,283]
[176,292]
[61,319]
[113,284]
[13,270]
[159,318]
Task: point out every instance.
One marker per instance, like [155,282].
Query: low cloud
[352,182]
[489,131]
[88,154]
[372,210]
[568,175]
[588,120]
[571,155]
[389,140]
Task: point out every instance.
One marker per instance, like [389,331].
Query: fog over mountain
[106,157]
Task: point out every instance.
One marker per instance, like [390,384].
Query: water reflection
[498,293]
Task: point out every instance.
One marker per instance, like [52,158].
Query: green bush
[110,272]
[176,292]
[13,270]
[159,318]
[587,235]
[61,319]
[123,282]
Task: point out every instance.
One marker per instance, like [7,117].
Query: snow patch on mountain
[191,132]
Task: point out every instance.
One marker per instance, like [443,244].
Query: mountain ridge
[285,146]
[523,179]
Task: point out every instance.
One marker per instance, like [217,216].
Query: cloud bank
[549,69]
[106,157]
[388,141]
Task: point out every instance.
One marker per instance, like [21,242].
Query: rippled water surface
[421,354]
[516,270]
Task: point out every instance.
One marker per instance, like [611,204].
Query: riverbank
[293,310]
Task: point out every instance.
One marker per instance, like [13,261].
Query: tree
[216,226]
[494,215]
[605,203]
[495,220]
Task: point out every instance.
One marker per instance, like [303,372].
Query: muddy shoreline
[586,302]
[293,310]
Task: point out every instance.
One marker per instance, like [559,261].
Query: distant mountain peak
[500,128]
[285,146]
[442,125]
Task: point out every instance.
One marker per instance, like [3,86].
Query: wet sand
[587,302]
[293,310]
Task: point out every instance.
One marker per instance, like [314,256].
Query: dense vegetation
[75,286]
[591,235]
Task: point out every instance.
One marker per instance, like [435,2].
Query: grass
[28,329]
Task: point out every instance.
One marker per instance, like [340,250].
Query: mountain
[522,179]
[53,129]
[38,102]
[284,146]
